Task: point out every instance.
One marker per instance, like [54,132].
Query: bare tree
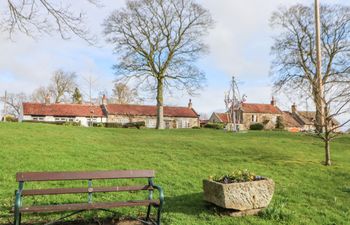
[123,94]
[158,42]
[294,66]
[62,83]
[40,94]
[35,18]
[14,102]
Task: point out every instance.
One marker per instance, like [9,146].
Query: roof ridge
[147,105]
[73,104]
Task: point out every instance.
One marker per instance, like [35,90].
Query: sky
[239,45]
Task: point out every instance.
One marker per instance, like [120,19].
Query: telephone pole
[90,82]
[320,114]
[5,105]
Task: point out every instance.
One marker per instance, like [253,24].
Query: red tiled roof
[147,110]
[39,109]
[260,108]
[224,117]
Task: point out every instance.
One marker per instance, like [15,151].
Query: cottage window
[93,119]
[38,118]
[254,118]
[151,123]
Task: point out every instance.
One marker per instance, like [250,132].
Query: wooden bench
[21,178]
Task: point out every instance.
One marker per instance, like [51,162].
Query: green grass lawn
[306,191]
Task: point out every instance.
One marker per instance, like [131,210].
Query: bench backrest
[94,175]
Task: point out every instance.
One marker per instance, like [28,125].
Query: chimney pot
[294,108]
[273,101]
[104,100]
[190,104]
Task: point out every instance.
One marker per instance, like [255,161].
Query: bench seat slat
[86,206]
[57,176]
[57,191]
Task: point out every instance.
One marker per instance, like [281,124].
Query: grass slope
[306,191]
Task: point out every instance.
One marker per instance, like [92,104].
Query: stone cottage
[174,116]
[250,113]
[305,119]
[86,114]
[60,113]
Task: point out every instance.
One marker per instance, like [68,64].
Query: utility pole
[320,114]
[5,105]
[234,99]
[90,82]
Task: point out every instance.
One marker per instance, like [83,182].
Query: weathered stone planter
[239,196]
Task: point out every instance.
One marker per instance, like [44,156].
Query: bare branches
[159,38]
[37,17]
[158,42]
[14,102]
[294,66]
[123,94]
[62,83]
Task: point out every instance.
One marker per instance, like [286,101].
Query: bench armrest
[161,194]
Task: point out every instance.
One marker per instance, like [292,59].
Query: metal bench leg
[17,218]
[159,215]
[18,203]
[148,212]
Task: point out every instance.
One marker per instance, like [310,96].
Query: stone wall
[269,120]
[151,121]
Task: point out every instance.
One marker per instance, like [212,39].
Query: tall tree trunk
[319,121]
[160,112]
[327,153]
[319,81]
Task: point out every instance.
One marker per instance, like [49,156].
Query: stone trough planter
[243,196]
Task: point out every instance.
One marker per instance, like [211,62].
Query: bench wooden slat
[86,206]
[57,191]
[57,176]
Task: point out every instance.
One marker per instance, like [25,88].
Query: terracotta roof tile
[39,109]
[224,117]
[147,110]
[260,108]
[289,120]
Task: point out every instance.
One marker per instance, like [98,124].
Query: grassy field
[306,191]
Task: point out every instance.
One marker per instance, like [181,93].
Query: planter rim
[265,178]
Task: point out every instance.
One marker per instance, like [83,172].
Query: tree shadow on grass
[190,204]
[100,221]
[346,189]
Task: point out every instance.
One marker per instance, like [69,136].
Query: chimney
[190,104]
[273,101]
[294,108]
[104,100]
[47,99]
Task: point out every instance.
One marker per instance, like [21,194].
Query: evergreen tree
[77,98]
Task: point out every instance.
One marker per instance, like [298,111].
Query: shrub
[137,125]
[236,176]
[196,127]
[72,124]
[256,126]
[113,125]
[9,118]
[217,126]
[98,125]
